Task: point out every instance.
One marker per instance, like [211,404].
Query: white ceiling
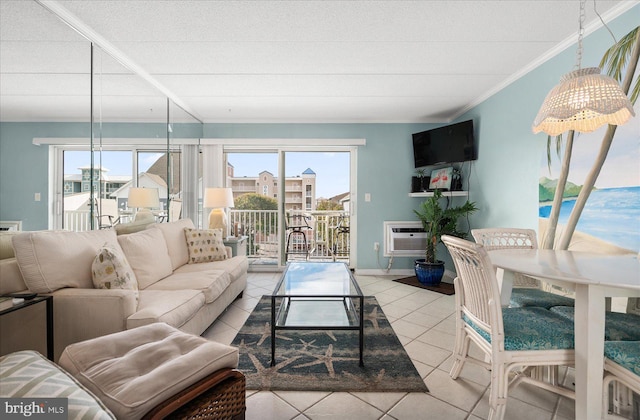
[276,61]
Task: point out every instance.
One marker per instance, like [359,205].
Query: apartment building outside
[300,190]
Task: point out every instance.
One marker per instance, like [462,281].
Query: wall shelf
[444,194]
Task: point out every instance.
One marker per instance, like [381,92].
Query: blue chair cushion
[522,297]
[617,326]
[532,329]
[624,353]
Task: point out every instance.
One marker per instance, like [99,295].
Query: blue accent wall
[503,181]
[385,167]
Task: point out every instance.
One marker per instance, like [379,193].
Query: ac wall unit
[404,239]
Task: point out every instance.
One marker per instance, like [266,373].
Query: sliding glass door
[252,176]
[291,203]
[316,202]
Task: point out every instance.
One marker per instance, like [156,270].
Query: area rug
[444,288]
[325,360]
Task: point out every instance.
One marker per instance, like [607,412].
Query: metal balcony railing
[328,237]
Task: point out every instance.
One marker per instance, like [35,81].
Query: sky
[331,168]
[117,163]
[622,165]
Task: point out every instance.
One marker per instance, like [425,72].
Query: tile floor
[424,324]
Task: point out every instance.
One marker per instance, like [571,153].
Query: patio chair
[340,237]
[513,340]
[622,373]
[174,213]
[106,211]
[527,291]
[297,226]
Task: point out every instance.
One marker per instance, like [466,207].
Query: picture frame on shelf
[441,179]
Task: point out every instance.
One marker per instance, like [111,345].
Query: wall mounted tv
[448,144]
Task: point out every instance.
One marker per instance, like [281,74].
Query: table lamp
[144,199]
[217,199]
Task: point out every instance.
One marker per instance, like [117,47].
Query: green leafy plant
[438,220]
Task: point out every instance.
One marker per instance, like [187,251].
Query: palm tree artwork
[620,60]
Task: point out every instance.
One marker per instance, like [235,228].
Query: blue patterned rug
[325,360]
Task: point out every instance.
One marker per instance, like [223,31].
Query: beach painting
[611,217]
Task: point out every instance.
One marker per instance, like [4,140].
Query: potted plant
[418,181]
[437,221]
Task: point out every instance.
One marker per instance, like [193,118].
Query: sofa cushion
[51,260]
[111,270]
[210,282]
[205,245]
[133,371]
[236,267]
[133,227]
[175,307]
[173,233]
[147,253]
[27,374]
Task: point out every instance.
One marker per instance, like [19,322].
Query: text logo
[34,408]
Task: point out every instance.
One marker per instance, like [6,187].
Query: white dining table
[592,277]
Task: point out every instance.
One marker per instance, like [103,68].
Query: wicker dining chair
[622,373]
[513,340]
[526,291]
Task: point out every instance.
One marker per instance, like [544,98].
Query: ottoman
[156,370]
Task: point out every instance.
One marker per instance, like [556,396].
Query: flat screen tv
[449,144]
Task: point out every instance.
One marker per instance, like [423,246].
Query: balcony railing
[328,237]
[77,220]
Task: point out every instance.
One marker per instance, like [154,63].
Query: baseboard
[381,272]
[406,272]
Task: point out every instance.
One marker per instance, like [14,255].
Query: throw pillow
[205,245]
[110,270]
[148,255]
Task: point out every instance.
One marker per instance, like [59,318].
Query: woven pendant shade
[583,101]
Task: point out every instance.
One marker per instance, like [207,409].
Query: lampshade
[583,101]
[216,198]
[143,198]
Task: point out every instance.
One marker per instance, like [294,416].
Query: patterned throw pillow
[110,270]
[205,245]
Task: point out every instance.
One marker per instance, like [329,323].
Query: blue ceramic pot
[429,274]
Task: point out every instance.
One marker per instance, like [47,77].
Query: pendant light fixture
[584,100]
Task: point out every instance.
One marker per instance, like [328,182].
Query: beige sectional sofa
[168,288]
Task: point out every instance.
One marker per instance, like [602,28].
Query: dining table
[592,277]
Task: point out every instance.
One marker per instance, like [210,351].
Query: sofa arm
[82,314]
[10,277]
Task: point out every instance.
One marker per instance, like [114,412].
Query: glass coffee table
[317,296]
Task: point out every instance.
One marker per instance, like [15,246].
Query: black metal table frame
[286,301]
[49,316]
